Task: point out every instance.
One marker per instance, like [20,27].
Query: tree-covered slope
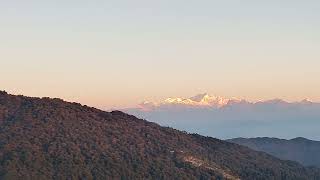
[43,138]
[304,151]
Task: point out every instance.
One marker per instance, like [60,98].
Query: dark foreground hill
[52,139]
[304,151]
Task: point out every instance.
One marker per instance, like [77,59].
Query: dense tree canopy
[43,138]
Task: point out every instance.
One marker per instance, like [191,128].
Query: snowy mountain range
[232,117]
[201,100]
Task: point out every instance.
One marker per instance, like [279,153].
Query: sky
[117,53]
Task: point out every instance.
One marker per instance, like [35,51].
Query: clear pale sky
[117,53]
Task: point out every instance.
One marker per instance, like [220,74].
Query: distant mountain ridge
[45,138]
[302,150]
[198,101]
[208,101]
[227,118]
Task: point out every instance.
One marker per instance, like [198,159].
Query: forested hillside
[44,138]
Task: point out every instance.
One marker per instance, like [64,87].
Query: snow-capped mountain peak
[200,100]
[208,101]
[201,97]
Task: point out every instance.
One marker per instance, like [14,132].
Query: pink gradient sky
[114,54]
